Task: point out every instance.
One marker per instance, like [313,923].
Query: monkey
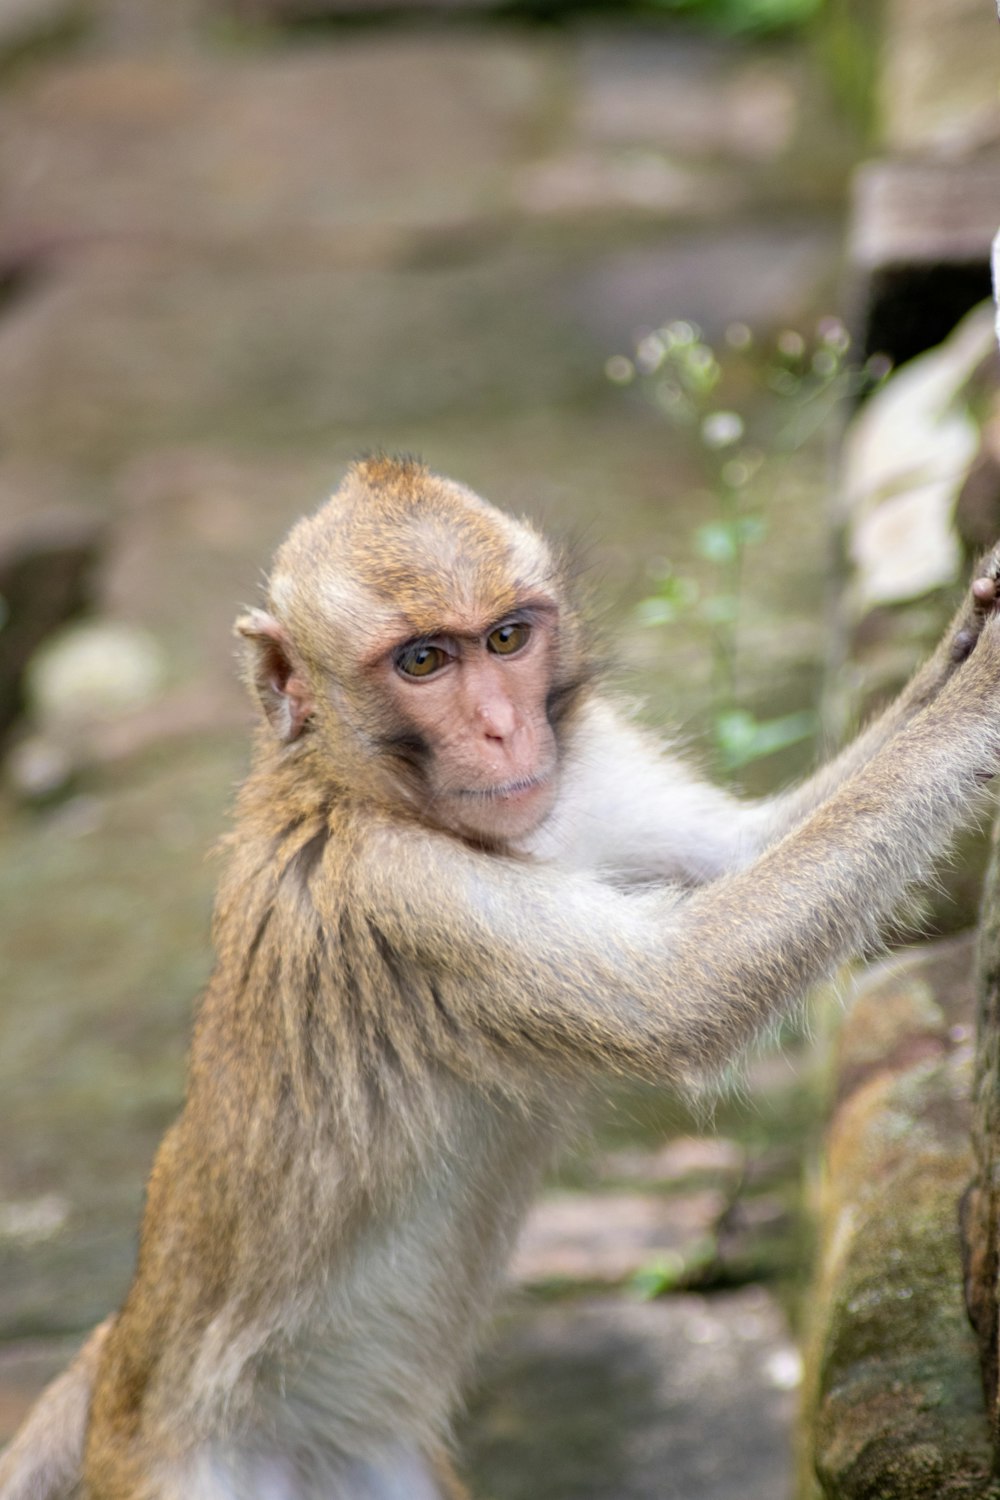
[462,890]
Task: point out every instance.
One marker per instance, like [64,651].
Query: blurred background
[589,259]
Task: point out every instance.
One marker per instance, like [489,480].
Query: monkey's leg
[45,1459]
[403,1474]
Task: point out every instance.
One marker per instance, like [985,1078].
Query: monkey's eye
[420,660]
[507,639]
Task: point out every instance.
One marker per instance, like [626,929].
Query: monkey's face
[423,649]
[470,709]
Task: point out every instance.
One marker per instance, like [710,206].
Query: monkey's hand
[982,600]
[950,665]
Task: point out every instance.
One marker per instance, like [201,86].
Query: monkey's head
[420,646]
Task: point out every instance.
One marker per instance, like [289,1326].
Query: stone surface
[687,1398]
[93,671]
[279,152]
[255,257]
[981,1222]
[131,351]
[687,94]
[938,87]
[712,1158]
[769,273]
[610,1236]
[894,1404]
[923,217]
[47,576]
[664,122]
[919,240]
[923,212]
[581,181]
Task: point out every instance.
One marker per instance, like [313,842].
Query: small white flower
[721,429]
[619,369]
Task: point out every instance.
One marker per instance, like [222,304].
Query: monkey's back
[328,1143]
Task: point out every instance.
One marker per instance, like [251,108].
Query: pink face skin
[477,701]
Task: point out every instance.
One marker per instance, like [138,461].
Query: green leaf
[718,541]
[672,1270]
[664,1273]
[720,609]
[742,738]
[748,15]
[673,597]
[656,611]
[751,529]
[723,541]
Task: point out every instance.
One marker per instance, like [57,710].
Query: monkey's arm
[668,987]
[633,811]
[770,820]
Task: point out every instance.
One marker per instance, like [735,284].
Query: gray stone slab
[578,182]
[302,150]
[606,1237]
[685,93]
[766,274]
[664,122]
[687,1398]
[918,247]
[132,349]
[923,212]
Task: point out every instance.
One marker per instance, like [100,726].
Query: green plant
[747,16]
[803,381]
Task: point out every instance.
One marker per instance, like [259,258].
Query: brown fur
[401,1012]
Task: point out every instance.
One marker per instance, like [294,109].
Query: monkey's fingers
[985,591]
[987,573]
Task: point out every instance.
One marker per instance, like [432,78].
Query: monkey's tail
[45,1459]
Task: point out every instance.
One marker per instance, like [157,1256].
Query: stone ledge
[924,211]
[919,248]
[894,1406]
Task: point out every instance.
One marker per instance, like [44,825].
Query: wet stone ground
[233,262]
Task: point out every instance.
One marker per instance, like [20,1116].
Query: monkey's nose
[497,719]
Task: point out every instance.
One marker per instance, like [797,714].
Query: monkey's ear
[272,672]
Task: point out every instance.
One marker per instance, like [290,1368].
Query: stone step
[919,248]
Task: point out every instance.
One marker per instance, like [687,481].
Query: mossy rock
[894,1407]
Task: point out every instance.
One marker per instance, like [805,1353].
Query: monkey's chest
[382,1345]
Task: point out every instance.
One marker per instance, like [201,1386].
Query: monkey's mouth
[507,791]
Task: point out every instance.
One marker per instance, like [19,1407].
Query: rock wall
[910,1195]
[925,209]
[981,1218]
[894,1404]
